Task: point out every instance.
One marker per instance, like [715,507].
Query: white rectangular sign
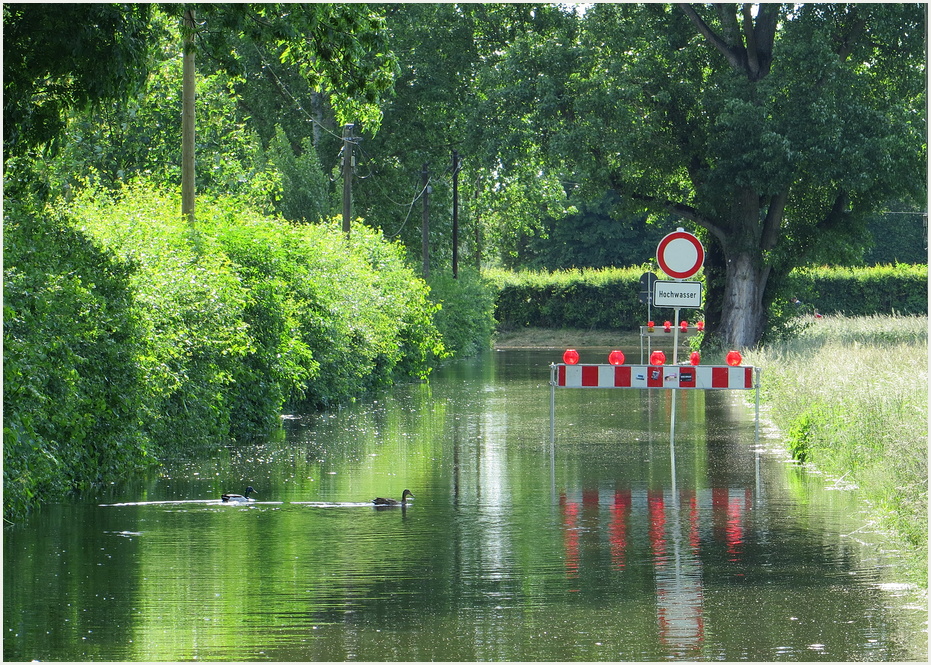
[677,294]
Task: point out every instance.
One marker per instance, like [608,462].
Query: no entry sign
[680,254]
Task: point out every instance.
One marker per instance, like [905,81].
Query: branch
[773,221]
[735,59]
[684,211]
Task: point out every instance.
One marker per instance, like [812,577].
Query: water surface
[514,547]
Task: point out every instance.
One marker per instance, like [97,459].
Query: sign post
[680,254]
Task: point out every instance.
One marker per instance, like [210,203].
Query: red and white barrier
[699,377]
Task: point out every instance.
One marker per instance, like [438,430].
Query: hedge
[608,299]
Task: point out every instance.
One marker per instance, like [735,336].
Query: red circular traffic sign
[680,254]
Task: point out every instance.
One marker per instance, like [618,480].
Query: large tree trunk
[736,271]
[742,315]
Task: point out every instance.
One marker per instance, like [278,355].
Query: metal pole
[552,403]
[672,440]
[455,214]
[425,229]
[675,340]
[553,433]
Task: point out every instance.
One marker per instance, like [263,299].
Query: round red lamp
[616,357]
[700,325]
[570,357]
[657,358]
[667,326]
[684,326]
[650,325]
[734,358]
[695,358]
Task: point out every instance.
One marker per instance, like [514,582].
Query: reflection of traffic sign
[677,294]
[647,280]
[680,254]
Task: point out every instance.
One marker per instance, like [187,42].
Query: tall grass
[851,396]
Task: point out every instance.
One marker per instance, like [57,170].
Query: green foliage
[466,315]
[609,298]
[881,289]
[803,431]
[192,305]
[303,183]
[141,137]
[899,236]
[339,49]
[605,299]
[62,56]
[127,331]
[73,387]
[593,237]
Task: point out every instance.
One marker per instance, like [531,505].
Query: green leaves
[52,58]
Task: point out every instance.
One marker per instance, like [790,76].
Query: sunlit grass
[851,397]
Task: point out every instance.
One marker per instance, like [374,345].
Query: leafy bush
[608,299]
[884,289]
[605,299]
[466,315]
[72,384]
[128,331]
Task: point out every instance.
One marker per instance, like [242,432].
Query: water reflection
[514,549]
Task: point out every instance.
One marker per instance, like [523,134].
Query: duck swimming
[380,501]
[239,497]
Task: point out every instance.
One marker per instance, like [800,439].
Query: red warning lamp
[667,326]
[734,358]
[700,325]
[570,357]
[695,358]
[684,326]
[657,358]
[650,325]
[616,357]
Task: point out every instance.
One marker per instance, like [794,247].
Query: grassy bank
[851,397]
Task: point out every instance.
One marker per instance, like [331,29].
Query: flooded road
[514,547]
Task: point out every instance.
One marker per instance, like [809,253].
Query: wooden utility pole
[426,220]
[455,215]
[347,177]
[187,119]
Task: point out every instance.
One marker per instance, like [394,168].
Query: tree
[774,129]
[52,55]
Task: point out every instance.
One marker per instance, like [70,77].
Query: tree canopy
[777,132]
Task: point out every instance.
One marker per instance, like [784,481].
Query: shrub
[128,331]
[72,383]
[605,299]
[466,315]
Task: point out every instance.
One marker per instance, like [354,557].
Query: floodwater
[603,543]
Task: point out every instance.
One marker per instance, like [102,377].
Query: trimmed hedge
[608,299]
[884,289]
[602,299]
